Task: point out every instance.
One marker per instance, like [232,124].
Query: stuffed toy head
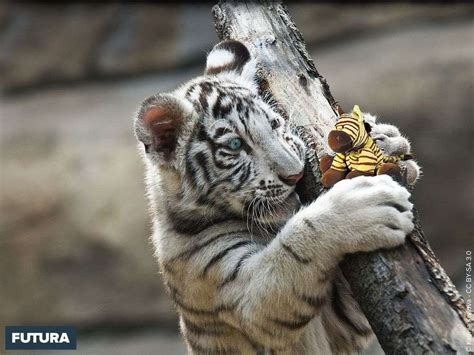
[356,152]
[350,132]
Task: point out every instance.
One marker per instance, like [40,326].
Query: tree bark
[410,302]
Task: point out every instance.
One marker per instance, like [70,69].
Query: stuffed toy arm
[389,139]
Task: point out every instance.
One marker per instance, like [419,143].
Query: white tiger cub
[249,269]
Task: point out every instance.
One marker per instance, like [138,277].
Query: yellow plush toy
[356,152]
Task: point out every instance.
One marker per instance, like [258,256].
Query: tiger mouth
[277,211]
[287,195]
[275,202]
[276,198]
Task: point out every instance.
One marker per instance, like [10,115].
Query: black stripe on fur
[240,53]
[299,322]
[233,275]
[295,255]
[223,253]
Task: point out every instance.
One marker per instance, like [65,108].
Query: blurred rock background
[74,227]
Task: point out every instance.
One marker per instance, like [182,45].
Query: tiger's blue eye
[234,143]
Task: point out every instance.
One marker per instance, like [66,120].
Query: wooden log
[410,302]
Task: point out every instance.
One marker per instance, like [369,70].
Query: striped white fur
[249,269]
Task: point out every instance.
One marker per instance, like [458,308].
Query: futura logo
[21,337]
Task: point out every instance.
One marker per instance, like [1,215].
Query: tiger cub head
[216,148]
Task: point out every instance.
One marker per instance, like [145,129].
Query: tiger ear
[231,56]
[158,124]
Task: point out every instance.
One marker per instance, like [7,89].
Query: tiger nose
[291,179]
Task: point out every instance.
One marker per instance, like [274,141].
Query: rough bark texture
[407,297]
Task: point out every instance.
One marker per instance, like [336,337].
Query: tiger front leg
[278,289]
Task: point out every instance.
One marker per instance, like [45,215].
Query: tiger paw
[391,142]
[411,171]
[365,213]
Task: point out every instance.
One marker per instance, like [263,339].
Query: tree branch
[407,297]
